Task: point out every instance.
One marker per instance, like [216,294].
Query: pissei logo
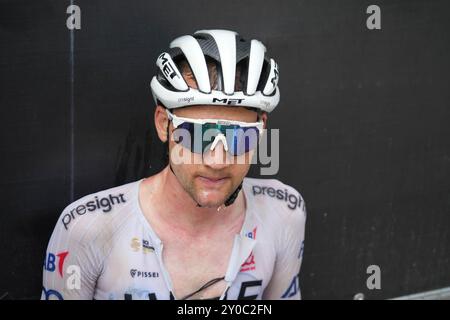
[135,273]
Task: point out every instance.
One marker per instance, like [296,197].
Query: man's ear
[263,117]
[161,122]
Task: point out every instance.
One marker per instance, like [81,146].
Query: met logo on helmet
[276,74]
[167,67]
[230,101]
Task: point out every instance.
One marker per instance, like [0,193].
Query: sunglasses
[201,135]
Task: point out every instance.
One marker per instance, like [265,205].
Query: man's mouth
[212,181]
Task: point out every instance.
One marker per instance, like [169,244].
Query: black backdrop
[363,122]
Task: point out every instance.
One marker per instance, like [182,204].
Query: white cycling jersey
[104,248]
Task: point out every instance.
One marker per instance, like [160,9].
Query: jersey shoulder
[275,192]
[100,214]
[275,201]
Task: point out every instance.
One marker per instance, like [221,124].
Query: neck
[180,211]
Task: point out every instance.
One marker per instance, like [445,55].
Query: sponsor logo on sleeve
[293,201]
[106,204]
[55,262]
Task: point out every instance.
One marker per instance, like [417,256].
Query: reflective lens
[242,139]
[199,137]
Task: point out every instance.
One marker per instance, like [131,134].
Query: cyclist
[199,229]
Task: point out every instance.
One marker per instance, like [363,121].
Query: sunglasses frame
[177,121]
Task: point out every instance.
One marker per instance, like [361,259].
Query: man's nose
[217,158]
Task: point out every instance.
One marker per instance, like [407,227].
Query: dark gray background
[363,116]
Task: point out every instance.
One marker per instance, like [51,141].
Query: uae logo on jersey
[249,264]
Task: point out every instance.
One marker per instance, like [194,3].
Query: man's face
[212,177]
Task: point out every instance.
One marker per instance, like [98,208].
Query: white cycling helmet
[259,74]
